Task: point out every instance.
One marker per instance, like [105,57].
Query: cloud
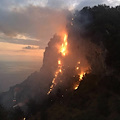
[30,47]
[36,22]
[9,4]
[91,3]
[57,3]
[23,42]
[113,2]
[63,4]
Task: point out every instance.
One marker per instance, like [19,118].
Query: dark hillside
[94,39]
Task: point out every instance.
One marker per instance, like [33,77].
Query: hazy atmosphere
[55,56]
[26,27]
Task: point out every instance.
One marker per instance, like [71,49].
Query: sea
[13,72]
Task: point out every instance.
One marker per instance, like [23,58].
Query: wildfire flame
[76,86]
[81,74]
[80,78]
[59,62]
[77,68]
[63,48]
[63,51]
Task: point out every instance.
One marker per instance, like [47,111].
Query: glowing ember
[60,70]
[49,91]
[59,62]
[76,87]
[77,68]
[81,75]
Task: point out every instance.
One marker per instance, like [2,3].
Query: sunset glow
[20,52]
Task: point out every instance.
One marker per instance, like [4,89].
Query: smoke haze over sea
[12,73]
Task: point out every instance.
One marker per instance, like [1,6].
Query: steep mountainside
[81,71]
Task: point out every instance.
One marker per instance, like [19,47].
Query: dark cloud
[90,3]
[30,47]
[41,44]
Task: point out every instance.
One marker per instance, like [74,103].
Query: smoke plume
[81,56]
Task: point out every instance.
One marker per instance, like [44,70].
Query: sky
[26,27]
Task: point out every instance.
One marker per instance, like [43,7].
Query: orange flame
[80,78]
[81,75]
[77,68]
[63,50]
[76,86]
[59,62]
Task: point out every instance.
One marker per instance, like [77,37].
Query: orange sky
[16,52]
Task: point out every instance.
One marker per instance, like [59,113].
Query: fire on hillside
[63,52]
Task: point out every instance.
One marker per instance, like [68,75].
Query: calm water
[12,73]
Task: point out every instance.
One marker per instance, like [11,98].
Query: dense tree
[101,24]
